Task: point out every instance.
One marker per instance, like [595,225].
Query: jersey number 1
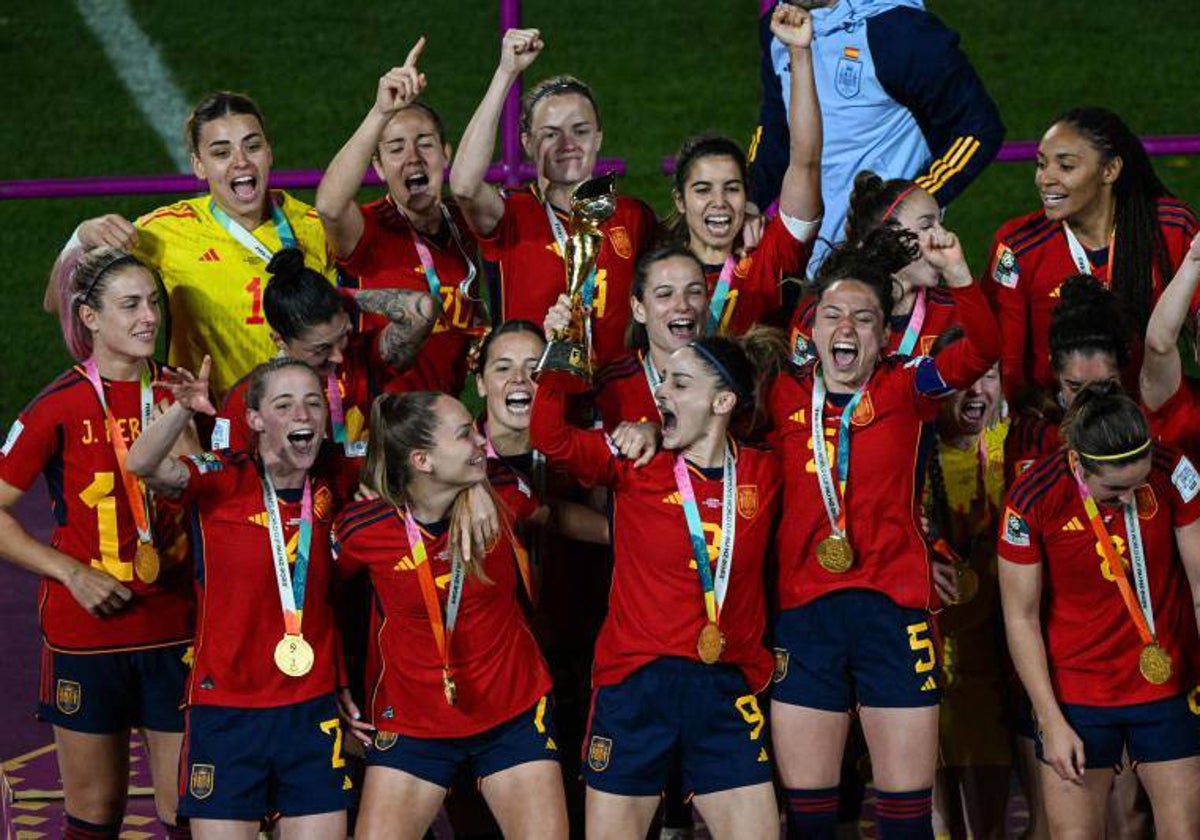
[254,287]
[98,496]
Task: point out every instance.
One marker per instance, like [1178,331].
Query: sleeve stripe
[951,167]
[928,178]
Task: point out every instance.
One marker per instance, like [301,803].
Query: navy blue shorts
[243,764]
[856,647]
[530,736]
[1160,731]
[103,693]
[676,709]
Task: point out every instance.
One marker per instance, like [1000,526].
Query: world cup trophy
[568,353]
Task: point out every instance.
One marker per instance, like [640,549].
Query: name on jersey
[130,428]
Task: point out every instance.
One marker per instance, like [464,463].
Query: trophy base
[566,364]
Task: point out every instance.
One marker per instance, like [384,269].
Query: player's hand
[519,49]
[190,390]
[1063,750]
[481,526]
[352,717]
[399,86]
[365,493]
[945,581]
[752,229]
[792,26]
[636,441]
[558,318]
[111,231]
[97,591]
[944,252]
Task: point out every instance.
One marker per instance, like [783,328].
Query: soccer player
[710,201]
[854,580]
[1105,213]
[1101,618]
[263,728]
[211,252]
[525,230]
[924,309]
[410,238]
[116,605]
[462,679]
[881,69]
[1172,402]
[680,657]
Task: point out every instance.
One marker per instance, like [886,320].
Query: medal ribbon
[430,269]
[337,412]
[1079,254]
[830,495]
[714,590]
[916,320]
[716,306]
[291,585]
[1139,606]
[652,377]
[139,505]
[247,239]
[442,631]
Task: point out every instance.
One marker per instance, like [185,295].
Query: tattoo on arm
[411,321]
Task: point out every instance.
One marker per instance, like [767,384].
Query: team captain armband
[1007,273]
[928,379]
[206,462]
[1016,529]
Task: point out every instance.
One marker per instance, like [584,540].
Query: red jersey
[1177,422]
[656,604]
[883,492]
[939,317]
[63,435]
[533,274]
[756,287]
[1030,259]
[241,619]
[1092,644]
[623,394]
[1030,438]
[386,257]
[497,667]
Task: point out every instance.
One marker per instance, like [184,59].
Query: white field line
[141,69]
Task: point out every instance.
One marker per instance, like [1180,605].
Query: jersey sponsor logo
[201,780]
[619,237]
[747,500]
[1007,273]
[599,753]
[848,76]
[1016,530]
[799,417]
[210,255]
[1073,524]
[1147,502]
[1185,479]
[14,432]
[68,696]
[384,741]
[672,499]
[206,462]
[1056,292]
[782,657]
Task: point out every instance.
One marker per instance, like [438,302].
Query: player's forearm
[1020,597]
[580,522]
[800,196]
[469,170]
[1171,311]
[339,185]
[23,551]
[150,456]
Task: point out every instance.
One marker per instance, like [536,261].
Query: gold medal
[1155,664]
[968,582]
[711,643]
[146,563]
[293,655]
[834,554]
[448,687]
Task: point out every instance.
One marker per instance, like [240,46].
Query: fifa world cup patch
[384,741]
[200,781]
[782,657]
[1007,273]
[599,752]
[1016,531]
[68,696]
[206,462]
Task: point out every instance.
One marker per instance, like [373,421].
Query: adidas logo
[406,564]
[762,756]
[798,417]
[259,519]
[210,255]
[1073,525]
[930,684]
[673,499]
[550,745]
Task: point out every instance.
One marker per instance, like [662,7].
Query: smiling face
[457,457]
[849,333]
[564,138]
[1115,486]
[234,157]
[1071,177]
[290,418]
[506,385]
[126,323]
[713,201]
[918,213]
[690,399]
[412,159]
[1080,369]
[968,412]
[322,346]
[674,302]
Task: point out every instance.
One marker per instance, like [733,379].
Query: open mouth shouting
[682,328]
[245,187]
[303,441]
[719,225]
[417,183]
[974,411]
[518,401]
[843,354]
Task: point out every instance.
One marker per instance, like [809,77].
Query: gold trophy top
[592,202]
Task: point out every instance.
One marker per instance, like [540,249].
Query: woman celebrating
[212,252]
[680,657]
[263,731]
[1105,213]
[409,239]
[1172,402]
[1100,618]
[710,200]
[855,580]
[461,677]
[116,604]
[525,231]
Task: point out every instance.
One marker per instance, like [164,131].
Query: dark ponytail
[874,202]
[297,298]
[1105,427]
[1089,320]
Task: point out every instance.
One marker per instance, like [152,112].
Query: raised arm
[1162,369]
[411,315]
[339,185]
[800,196]
[963,362]
[150,457]
[480,202]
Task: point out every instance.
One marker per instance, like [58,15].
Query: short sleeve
[33,439]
